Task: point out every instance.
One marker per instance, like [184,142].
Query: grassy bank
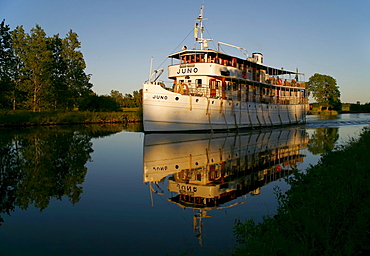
[325,212]
[26,118]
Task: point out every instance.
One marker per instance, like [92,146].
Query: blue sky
[330,37]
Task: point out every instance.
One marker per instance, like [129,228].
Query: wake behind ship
[212,90]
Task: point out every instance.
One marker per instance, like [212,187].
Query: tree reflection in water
[38,164]
[323,140]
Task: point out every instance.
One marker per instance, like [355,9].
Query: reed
[26,118]
[325,212]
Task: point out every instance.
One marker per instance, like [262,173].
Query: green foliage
[325,91]
[364,108]
[325,212]
[9,64]
[99,103]
[39,72]
[129,100]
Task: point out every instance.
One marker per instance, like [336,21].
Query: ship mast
[199,30]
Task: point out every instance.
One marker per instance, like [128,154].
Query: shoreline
[48,118]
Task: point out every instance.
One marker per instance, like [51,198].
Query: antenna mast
[199,29]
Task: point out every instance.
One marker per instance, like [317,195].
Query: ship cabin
[215,74]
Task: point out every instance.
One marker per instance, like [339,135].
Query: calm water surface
[112,190]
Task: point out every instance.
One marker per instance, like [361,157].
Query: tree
[325,91]
[60,93]
[36,58]
[138,97]
[76,79]
[50,71]
[7,67]
[103,103]
[117,96]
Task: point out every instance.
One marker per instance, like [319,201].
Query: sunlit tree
[325,91]
[35,57]
[77,81]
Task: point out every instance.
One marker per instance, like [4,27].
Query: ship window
[229,86]
[198,82]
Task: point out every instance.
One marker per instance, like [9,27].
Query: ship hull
[164,110]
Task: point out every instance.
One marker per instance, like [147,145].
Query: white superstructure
[212,90]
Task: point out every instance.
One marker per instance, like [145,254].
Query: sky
[119,38]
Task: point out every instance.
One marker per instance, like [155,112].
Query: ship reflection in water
[215,171]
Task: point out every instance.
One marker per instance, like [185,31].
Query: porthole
[177,98]
[176,167]
[196,163]
[237,104]
[213,101]
[196,100]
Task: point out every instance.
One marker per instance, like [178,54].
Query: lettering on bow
[159,97]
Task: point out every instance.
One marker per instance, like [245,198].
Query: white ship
[212,90]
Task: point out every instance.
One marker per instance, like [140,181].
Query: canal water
[113,190]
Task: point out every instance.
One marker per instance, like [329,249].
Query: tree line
[39,72]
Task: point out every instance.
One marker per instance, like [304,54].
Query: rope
[191,31]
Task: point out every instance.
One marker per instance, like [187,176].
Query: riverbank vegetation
[325,212]
[27,118]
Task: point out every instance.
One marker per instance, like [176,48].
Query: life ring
[182,176]
[244,74]
[280,81]
[177,88]
[182,88]
[278,168]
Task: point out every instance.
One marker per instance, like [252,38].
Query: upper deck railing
[285,97]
